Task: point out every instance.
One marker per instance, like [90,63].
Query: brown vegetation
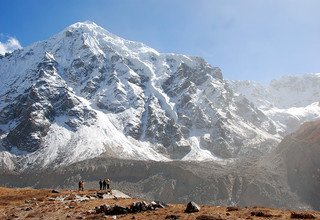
[26,203]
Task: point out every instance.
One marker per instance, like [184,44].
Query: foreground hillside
[27,203]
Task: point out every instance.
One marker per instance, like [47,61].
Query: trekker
[108,184]
[104,184]
[79,184]
[100,184]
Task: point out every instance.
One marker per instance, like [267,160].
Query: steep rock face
[33,111]
[86,92]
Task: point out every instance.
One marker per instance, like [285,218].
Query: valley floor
[28,203]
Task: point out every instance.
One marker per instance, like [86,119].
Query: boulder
[232,208]
[302,215]
[117,210]
[192,207]
[134,208]
[260,214]
[139,207]
[158,204]
[102,209]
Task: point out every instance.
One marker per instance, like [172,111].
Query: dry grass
[26,203]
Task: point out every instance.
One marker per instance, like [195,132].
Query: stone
[172,217]
[231,209]
[138,206]
[117,210]
[260,214]
[192,207]
[70,197]
[28,201]
[302,215]
[100,195]
[158,204]
[55,191]
[102,209]
[209,217]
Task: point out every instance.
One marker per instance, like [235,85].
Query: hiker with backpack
[108,184]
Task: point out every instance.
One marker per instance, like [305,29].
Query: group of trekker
[104,185]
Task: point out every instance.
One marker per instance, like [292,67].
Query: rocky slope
[85,92]
[298,155]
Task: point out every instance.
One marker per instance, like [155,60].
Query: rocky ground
[28,203]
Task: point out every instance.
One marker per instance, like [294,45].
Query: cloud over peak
[10,45]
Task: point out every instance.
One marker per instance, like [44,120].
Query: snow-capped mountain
[288,101]
[85,93]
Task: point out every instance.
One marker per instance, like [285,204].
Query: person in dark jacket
[108,184]
[81,185]
[104,184]
[100,184]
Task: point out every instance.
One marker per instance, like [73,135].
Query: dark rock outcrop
[135,207]
[192,207]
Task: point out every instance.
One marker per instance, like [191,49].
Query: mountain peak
[85,27]
[87,22]
[95,36]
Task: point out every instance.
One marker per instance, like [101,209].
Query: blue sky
[248,39]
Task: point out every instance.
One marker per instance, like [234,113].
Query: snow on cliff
[85,93]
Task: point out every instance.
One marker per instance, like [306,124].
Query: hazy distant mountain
[288,101]
[85,92]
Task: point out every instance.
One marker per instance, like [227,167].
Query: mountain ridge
[143,104]
[156,106]
[289,101]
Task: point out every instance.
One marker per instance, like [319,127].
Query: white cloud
[10,45]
